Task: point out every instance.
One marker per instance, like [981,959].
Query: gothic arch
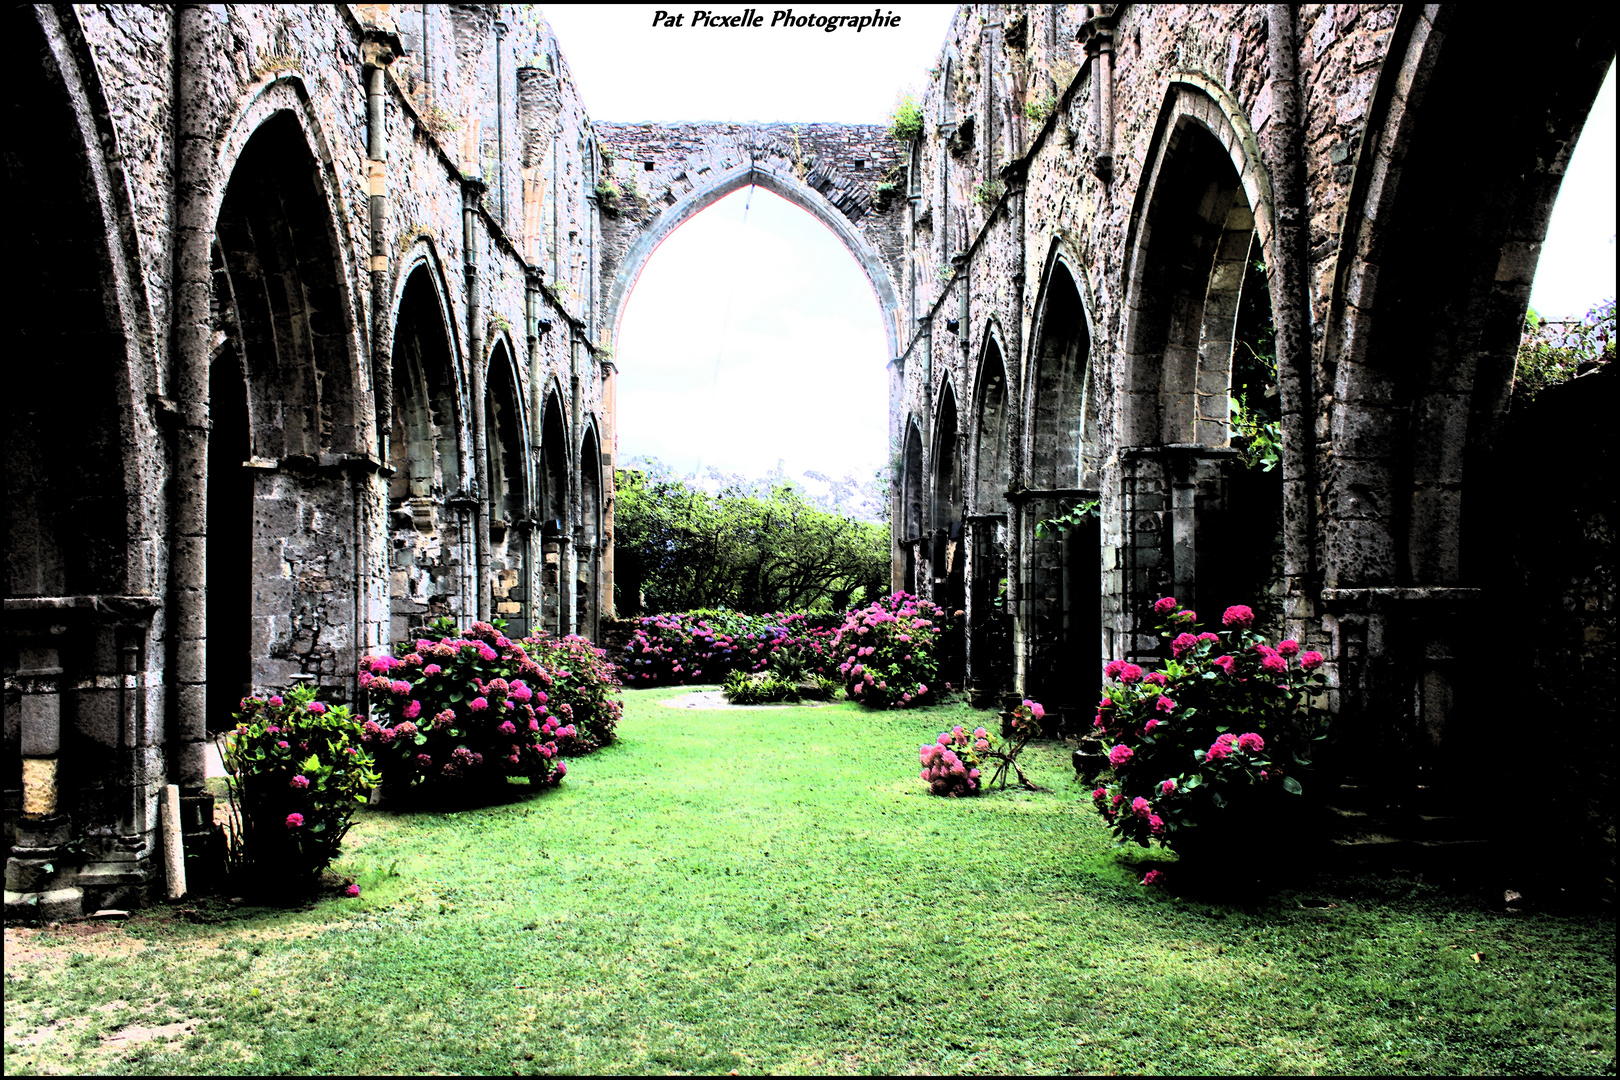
[789,187]
[281,105]
[1062,431]
[990,448]
[591,515]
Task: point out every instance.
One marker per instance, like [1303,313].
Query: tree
[749,547]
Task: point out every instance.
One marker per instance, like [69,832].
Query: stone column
[37,882]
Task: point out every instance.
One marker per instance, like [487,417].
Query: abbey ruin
[313,330]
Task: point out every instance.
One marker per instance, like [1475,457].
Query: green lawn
[773,891]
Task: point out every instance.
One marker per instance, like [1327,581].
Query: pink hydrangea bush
[297,771]
[707,646]
[950,764]
[888,652]
[1226,723]
[582,687]
[461,710]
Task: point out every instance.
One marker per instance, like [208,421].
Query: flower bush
[298,772]
[890,651]
[580,683]
[951,762]
[707,646]
[1217,733]
[462,709]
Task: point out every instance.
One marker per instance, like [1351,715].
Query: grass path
[772,890]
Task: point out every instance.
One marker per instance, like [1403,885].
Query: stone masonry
[315,348]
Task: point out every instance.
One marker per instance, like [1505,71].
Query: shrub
[889,651]
[461,710]
[951,762]
[1213,736]
[297,774]
[579,682]
[707,646]
[769,686]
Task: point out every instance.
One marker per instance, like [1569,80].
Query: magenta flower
[1287,648]
[1218,752]
[1166,787]
[317,707]
[1310,661]
[1240,616]
[1165,704]
[1099,795]
[1112,669]
[1164,605]
[282,745]
[1130,673]
[508,728]
[400,686]
[1153,877]
[1225,663]
[352,891]
[1120,755]
[1141,807]
[294,820]
[413,710]
[275,699]
[298,783]
[478,704]
[1156,824]
[1274,664]
[1251,741]
[432,669]
[1182,644]
[1147,728]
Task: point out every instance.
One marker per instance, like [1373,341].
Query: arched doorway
[430,542]
[1062,543]
[282,305]
[588,535]
[1201,523]
[556,547]
[912,543]
[989,622]
[949,556]
[507,501]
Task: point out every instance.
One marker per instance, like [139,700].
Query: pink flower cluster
[950,762]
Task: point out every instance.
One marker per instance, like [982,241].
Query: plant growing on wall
[1084,512]
[1555,351]
[906,119]
[988,192]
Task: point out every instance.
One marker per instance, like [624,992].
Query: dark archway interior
[590,508]
[1063,593]
[553,512]
[230,541]
[991,621]
[66,515]
[911,503]
[504,423]
[289,314]
[426,443]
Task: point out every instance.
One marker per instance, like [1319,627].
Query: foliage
[460,711]
[951,762]
[1259,439]
[1025,722]
[707,646]
[988,192]
[1082,513]
[906,119]
[761,550]
[890,650]
[1222,727]
[582,686]
[297,775]
[1552,352]
[1037,109]
[770,686]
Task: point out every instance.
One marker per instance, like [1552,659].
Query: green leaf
[1291,786]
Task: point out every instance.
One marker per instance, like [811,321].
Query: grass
[773,891]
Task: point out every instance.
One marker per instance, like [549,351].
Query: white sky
[748,344]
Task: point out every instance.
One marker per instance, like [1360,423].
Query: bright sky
[1577,259]
[746,344]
